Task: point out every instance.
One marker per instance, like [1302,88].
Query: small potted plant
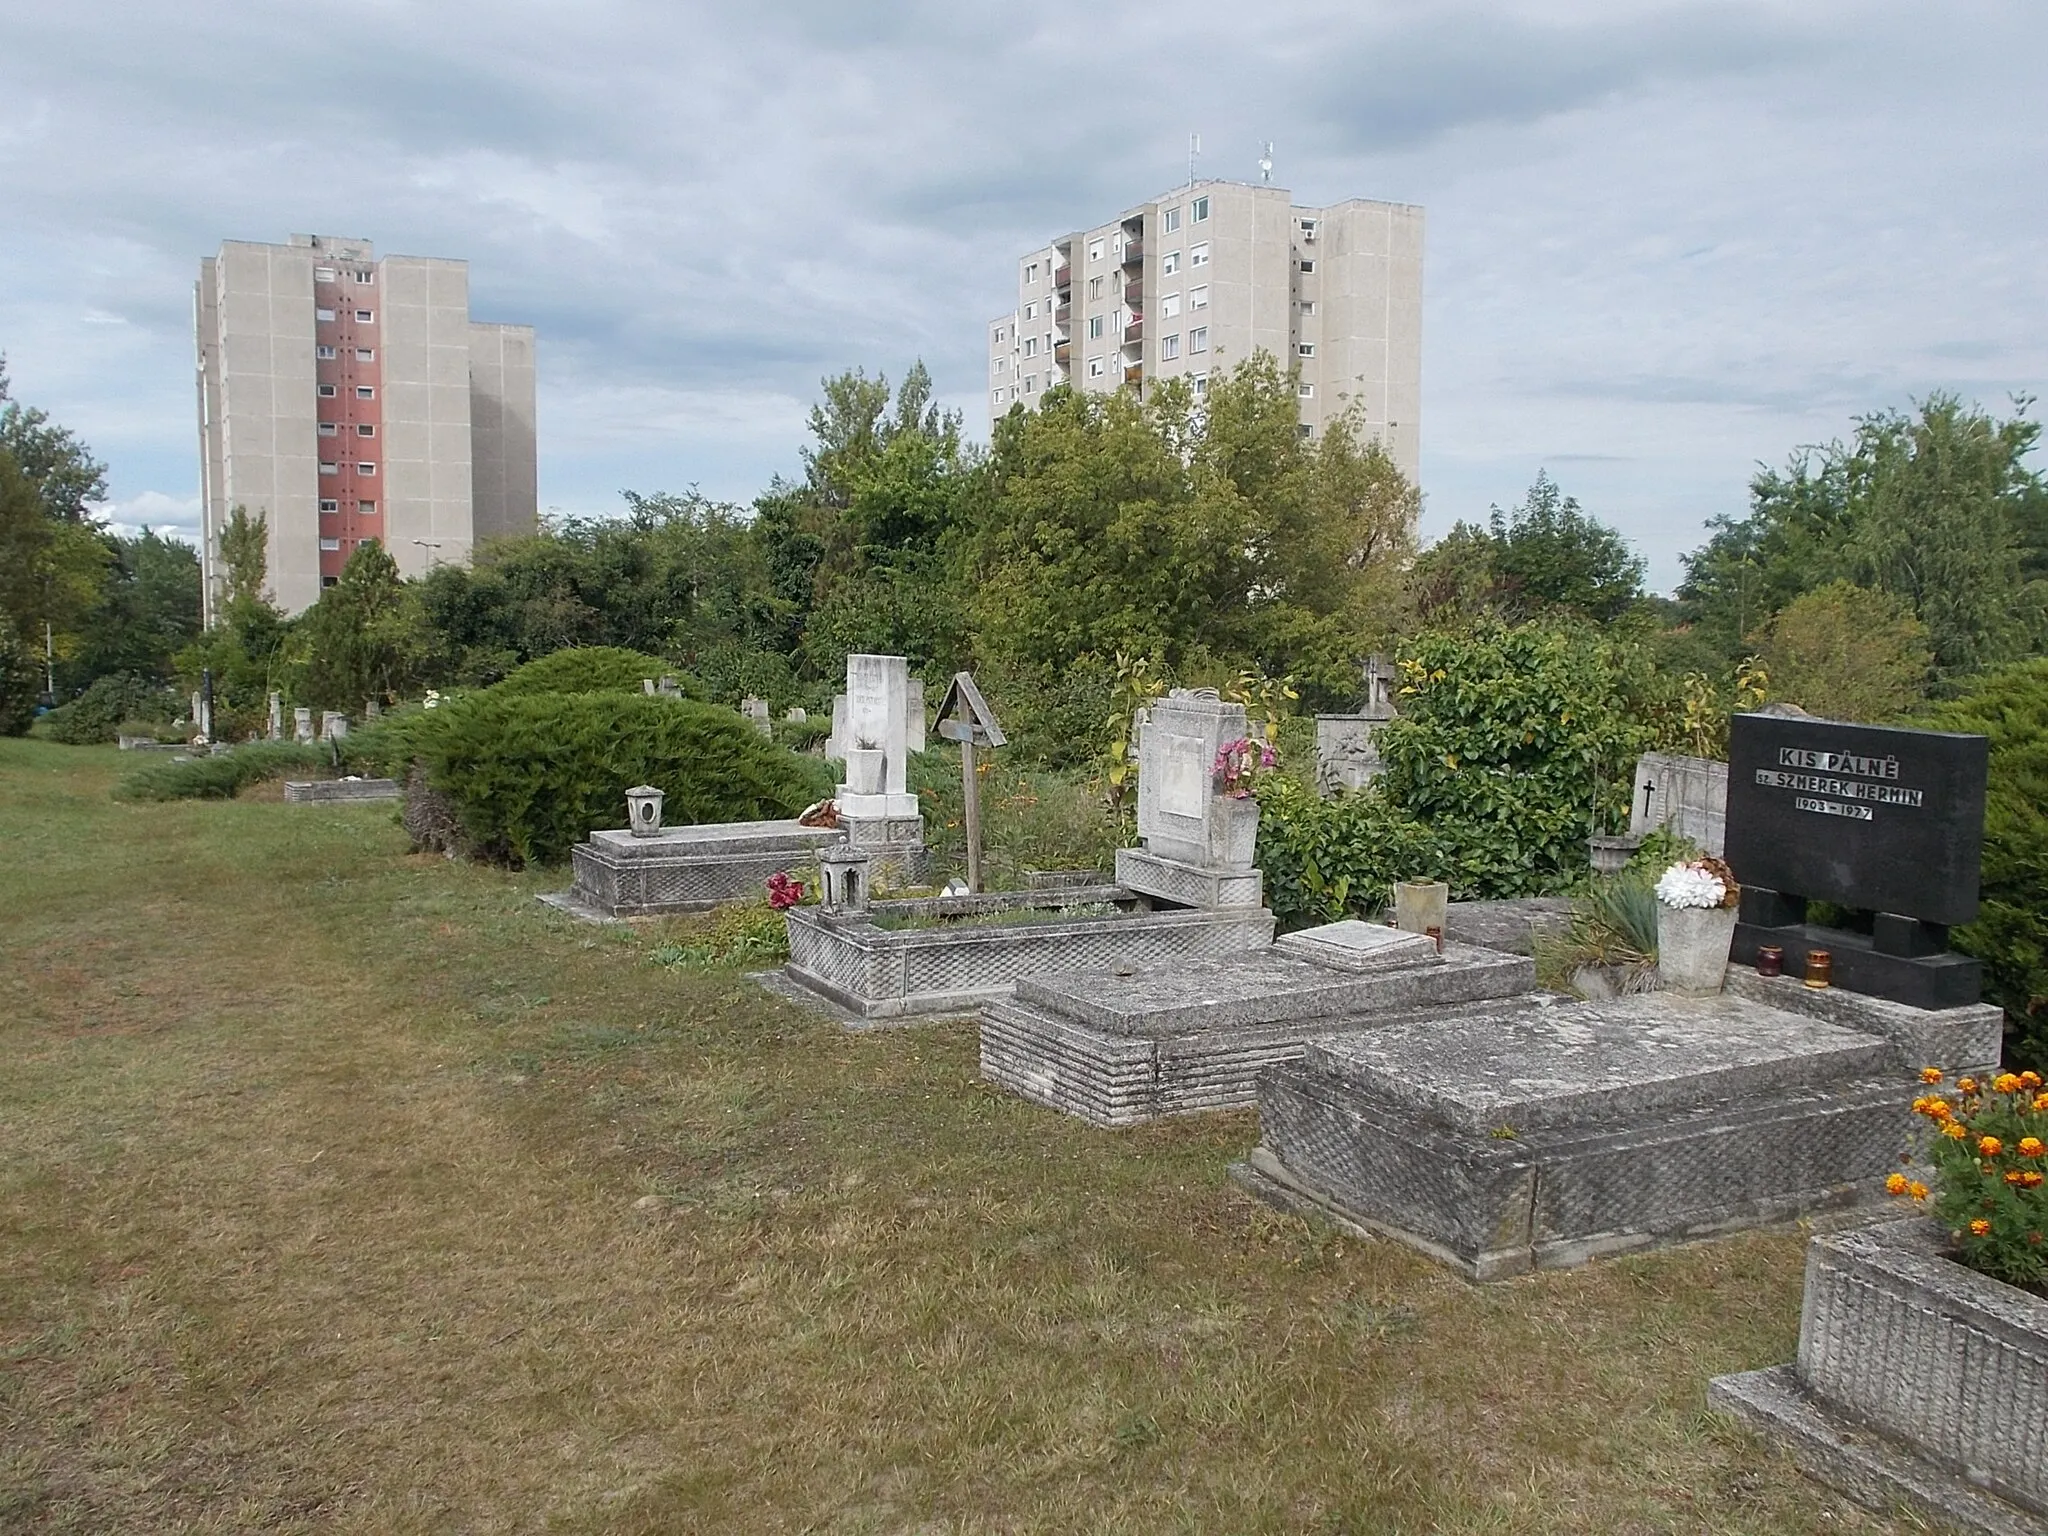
[1234,829]
[1695,924]
[864,766]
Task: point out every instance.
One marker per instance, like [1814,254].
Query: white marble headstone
[1176,771]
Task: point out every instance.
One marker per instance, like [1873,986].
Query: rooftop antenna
[1194,153]
[1266,163]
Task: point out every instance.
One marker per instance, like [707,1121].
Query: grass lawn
[348,1190]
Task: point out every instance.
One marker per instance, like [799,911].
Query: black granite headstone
[1876,818]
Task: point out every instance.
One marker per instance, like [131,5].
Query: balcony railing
[1134,252]
[1064,315]
[1062,350]
[1063,277]
[1134,373]
[1134,293]
[1135,331]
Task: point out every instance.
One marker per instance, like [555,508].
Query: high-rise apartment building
[1197,280]
[343,397]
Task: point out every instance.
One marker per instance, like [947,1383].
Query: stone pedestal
[1917,1382]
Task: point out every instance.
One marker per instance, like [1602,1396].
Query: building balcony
[1062,351]
[1063,276]
[1135,331]
[1064,315]
[1134,373]
[1134,294]
[1134,253]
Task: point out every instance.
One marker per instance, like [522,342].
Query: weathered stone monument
[1917,1382]
[1686,795]
[646,869]
[756,710]
[348,791]
[302,724]
[1199,844]
[275,731]
[1877,819]
[333,725]
[1347,755]
[882,716]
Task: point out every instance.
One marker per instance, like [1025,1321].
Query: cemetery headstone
[302,724]
[1347,755]
[756,710]
[276,722]
[1877,819]
[1198,844]
[333,725]
[796,714]
[1687,795]
[877,718]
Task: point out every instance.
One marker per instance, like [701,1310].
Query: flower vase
[1234,832]
[1692,947]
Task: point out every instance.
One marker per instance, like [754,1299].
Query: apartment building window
[1030,311]
[1169,348]
[1198,339]
[1095,250]
[995,397]
[365,467]
[328,504]
[365,316]
[327,429]
[1198,298]
[1199,210]
[364,429]
[1095,327]
[329,469]
[323,314]
[330,544]
[1308,228]
[366,354]
[328,581]
[1094,367]
[1170,220]
[1049,339]
[323,274]
[1169,264]
[1031,272]
[1307,391]
[1308,266]
[1031,346]
[1000,367]
[1169,306]
[1030,383]
[366,391]
[1000,333]
[1094,287]
[326,391]
[365,277]
[1306,349]
[1201,385]
[1199,255]
[1308,306]
[367,508]
[323,351]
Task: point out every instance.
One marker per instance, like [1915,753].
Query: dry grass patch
[325,1179]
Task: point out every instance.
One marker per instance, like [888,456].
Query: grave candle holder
[1770,960]
[1820,969]
[643,810]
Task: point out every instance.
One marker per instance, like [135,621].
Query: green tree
[359,642]
[1551,556]
[51,569]
[147,612]
[66,477]
[246,648]
[21,681]
[1847,653]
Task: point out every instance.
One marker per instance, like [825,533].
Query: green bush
[1031,818]
[531,775]
[1507,738]
[2011,932]
[734,672]
[96,716]
[594,669]
[387,747]
[21,681]
[1326,860]
[802,735]
[221,776]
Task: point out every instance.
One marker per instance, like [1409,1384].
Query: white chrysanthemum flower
[1687,885]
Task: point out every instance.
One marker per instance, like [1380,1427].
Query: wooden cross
[964,716]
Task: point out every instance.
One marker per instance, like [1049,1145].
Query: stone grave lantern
[843,874]
[643,810]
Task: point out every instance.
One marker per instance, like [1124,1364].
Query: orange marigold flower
[1989,1146]
[2006,1082]
[1897,1184]
[1938,1109]
[2030,1146]
[1966,1084]
[1981,1227]
[1954,1131]
[1917,1190]
[2015,1177]
[2032,1178]
[2030,1081]
[1930,1074]
[2041,1102]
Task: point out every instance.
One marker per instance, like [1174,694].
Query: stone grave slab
[340,791]
[1355,946]
[1502,1143]
[1120,1049]
[686,869]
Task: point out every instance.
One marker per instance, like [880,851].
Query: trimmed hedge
[96,716]
[2010,935]
[531,776]
[220,776]
[1326,860]
[594,669]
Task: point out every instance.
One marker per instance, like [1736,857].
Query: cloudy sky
[1665,241]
